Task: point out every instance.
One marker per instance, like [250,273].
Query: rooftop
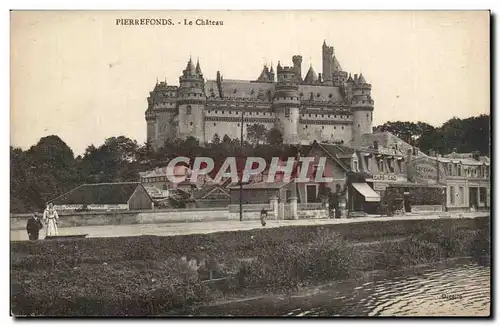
[98,194]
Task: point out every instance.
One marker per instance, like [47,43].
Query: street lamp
[241,178]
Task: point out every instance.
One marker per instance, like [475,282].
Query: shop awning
[365,190]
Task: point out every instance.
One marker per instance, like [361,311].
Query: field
[152,275]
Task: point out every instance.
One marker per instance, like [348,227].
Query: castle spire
[190,70]
[361,79]
[198,69]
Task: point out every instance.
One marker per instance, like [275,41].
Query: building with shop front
[465,176]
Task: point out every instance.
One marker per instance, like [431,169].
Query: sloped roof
[235,89]
[320,93]
[361,79]
[206,190]
[336,65]
[262,185]
[311,76]
[99,194]
[333,150]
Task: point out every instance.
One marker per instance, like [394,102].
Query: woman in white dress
[51,219]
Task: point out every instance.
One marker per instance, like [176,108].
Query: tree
[256,133]
[274,138]
[215,140]
[407,131]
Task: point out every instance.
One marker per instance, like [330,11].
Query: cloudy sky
[81,76]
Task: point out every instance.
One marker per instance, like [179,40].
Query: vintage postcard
[250,163]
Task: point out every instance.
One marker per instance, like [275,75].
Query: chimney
[476,155]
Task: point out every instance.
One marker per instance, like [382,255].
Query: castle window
[238,124]
[335,116]
[334,127]
[306,126]
[358,125]
[342,127]
[322,127]
[368,115]
[188,110]
[235,90]
[318,95]
[222,112]
[191,123]
[216,111]
[215,124]
[287,112]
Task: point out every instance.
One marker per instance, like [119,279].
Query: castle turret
[286,103]
[327,64]
[191,103]
[297,67]
[272,76]
[339,76]
[162,107]
[361,108]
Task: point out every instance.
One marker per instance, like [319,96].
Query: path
[169,229]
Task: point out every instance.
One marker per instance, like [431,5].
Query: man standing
[33,227]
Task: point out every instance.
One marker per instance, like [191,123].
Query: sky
[79,75]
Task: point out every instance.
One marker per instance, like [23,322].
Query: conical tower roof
[361,79]
[190,69]
[311,76]
[198,69]
[336,65]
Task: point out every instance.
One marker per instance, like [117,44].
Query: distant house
[212,195]
[105,196]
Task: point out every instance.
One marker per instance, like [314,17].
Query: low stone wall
[312,214]
[18,221]
[426,208]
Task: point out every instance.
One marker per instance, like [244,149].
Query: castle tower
[286,104]
[151,123]
[297,67]
[191,102]
[327,64]
[162,108]
[361,108]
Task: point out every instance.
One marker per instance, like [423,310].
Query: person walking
[33,227]
[263,216]
[51,220]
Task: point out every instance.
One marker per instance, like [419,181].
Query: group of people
[49,218]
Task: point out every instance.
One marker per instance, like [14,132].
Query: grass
[151,275]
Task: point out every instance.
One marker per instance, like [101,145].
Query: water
[454,289]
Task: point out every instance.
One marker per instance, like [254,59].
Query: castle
[331,106]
